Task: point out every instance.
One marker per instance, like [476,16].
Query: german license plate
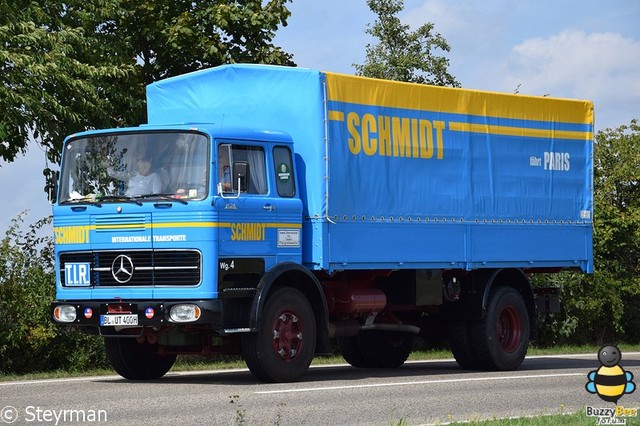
[120,319]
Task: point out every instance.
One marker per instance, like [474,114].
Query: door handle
[269,207]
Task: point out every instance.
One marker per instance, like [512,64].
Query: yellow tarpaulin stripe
[518,131]
[85,228]
[393,94]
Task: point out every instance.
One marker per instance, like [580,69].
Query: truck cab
[158,267]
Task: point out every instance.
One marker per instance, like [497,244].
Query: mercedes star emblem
[122,268]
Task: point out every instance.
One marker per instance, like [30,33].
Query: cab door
[247,214]
[289,206]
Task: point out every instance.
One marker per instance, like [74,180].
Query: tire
[381,349]
[350,351]
[501,340]
[385,349]
[137,361]
[461,345]
[283,347]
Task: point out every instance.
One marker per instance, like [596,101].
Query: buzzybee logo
[610,382]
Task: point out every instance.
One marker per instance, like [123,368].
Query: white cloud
[603,67]
[469,26]
[596,65]
[502,44]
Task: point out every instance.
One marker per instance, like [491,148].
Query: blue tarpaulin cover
[399,175]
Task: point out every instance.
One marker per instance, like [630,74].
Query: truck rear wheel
[136,361]
[461,345]
[351,352]
[376,349]
[283,347]
[501,340]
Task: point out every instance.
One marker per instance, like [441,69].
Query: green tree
[172,37]
[401,54]
[60,69]
[617,223]
[81,64]
[617,197]
[603,306]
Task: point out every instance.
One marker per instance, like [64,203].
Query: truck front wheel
[501,340]
[136,361]
[283,347]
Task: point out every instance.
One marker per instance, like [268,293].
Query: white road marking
[116,377]
[419,382]
[63,380]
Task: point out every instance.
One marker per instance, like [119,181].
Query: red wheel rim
[288,331]
[509,329]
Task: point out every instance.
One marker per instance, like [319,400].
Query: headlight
[184,313]
[64,313]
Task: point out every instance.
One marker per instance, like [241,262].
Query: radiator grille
[148,267]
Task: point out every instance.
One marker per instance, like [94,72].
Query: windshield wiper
[84,200]
[122,198]
[163,196]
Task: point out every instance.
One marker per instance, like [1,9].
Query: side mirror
[52,186]
[240,176]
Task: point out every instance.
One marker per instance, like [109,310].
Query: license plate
[121,319]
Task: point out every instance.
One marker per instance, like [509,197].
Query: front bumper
[155,314]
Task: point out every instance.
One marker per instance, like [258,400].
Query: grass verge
[572,419]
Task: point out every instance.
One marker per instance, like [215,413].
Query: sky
[587,49]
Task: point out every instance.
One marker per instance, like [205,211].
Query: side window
[244,165]
[224,167]
[284,171]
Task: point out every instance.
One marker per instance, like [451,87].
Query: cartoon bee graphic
[610,381]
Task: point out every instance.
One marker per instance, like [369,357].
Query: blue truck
[274,212]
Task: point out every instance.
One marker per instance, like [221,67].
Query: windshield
[135,166]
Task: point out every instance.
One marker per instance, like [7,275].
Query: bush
[592,310]
[29,340]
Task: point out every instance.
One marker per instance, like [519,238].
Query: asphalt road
[430,392]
